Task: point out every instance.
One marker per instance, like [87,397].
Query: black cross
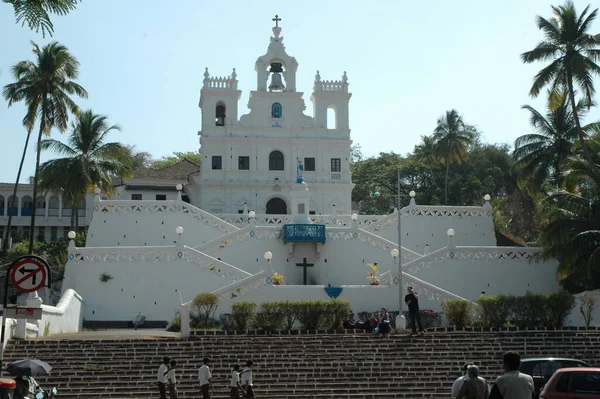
[276,19]
[305,265]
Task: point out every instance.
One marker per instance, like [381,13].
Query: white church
[273,194]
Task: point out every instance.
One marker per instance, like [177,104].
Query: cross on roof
[276,19]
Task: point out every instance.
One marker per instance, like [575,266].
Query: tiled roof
[178,171]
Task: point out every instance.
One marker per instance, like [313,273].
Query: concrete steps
[294,366]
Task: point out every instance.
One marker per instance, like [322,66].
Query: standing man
[513,384]
[161,378]
[234,384]
[247,380]
[460,381]
[205,378]
[171,381]
[412,300]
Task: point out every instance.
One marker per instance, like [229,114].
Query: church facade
[253,161]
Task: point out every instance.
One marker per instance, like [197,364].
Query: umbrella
[29,367]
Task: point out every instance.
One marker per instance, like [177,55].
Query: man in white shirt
[460,381]
[171,380]
[161,378]
[205,378]
[234,385]
[247,380]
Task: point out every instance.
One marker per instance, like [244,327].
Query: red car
[573,383]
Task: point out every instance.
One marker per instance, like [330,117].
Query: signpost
[27,273]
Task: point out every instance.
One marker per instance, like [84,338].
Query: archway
[276,206]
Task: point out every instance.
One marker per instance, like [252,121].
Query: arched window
[220,114]
[331,118]
[276,160]
[276,111]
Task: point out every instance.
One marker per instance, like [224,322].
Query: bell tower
[276,64]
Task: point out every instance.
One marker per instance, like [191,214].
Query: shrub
[336,312]
[242,313]
[290,314]
[429,319]
[204,306]
[458,312]
[175,325]
[270,317]
[559,306]
[311,314]
[494,311]
[588,304]
[227,322]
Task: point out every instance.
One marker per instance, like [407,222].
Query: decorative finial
[233,74]
[206,74]
[344,77]
[276,19]
[318,77]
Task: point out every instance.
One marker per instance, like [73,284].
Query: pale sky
[407,62]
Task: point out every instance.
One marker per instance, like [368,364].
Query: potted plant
[373,274]
[277,278]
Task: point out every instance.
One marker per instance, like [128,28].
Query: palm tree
[37,13]
[541,154]
[573,53]
[573,234]
[89,160]
[44,86]
[426,152]
[452,139]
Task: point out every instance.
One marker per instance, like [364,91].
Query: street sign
[29,274]
[24,313]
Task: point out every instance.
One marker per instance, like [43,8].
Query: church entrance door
[276,206]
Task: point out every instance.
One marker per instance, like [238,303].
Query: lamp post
[72,236]
[268,256]
[400,319]
[179,231]
[354,218]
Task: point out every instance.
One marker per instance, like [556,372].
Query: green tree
[452,139]
[45,86]
[89,160]
[36,13]
[192,156]
[572,52]
[426,152]
[541,155]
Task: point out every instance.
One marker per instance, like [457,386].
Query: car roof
[579,370]
[531,359]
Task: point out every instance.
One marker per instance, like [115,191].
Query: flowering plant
[373,275]
[277,278]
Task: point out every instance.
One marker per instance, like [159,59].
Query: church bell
[276,82]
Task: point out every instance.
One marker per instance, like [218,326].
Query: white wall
[65,317]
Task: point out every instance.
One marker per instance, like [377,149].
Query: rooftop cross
[276,19]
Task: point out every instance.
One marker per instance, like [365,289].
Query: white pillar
[18,208]
[60,205]
[46,201]
[184,311]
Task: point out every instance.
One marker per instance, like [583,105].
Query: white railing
[242,220]
[248,232]
[447,211]
[241,287]
[331,86]
[162,207]
[220,83]
[336,175]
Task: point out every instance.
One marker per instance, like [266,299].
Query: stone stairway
[350,365]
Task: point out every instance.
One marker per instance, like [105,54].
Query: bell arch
[276,206]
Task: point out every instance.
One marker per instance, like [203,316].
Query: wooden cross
[276,19]
[305,265]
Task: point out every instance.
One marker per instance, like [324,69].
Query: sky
[142,63]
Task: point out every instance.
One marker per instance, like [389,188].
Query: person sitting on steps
[384,322]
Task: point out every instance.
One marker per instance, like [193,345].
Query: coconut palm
[45,86]
[572,53]
[542,154]
[426,152]
[37,13]
[89,160]
[452,140]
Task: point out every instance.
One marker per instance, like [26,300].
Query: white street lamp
[251,214]
[268,256]
[72,235]
[179,187]
[179,230]
[354,217]
[450,232]
[487,197]
[412,194]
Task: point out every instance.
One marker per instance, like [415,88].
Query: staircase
[349,365]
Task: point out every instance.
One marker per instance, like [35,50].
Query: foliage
[47,329]
[290,313]
[45,86]
[458,312]
[336,313]
[530,310]
[587,307]
[242,313]
[88,161]
[269,317]
[227,322]
[452,138]
[311,314]
[277,278]
[192,156]
[572,52]
[429,318]
[175,325]
[105,277]
[36,13]
[204,306]
[373,274]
